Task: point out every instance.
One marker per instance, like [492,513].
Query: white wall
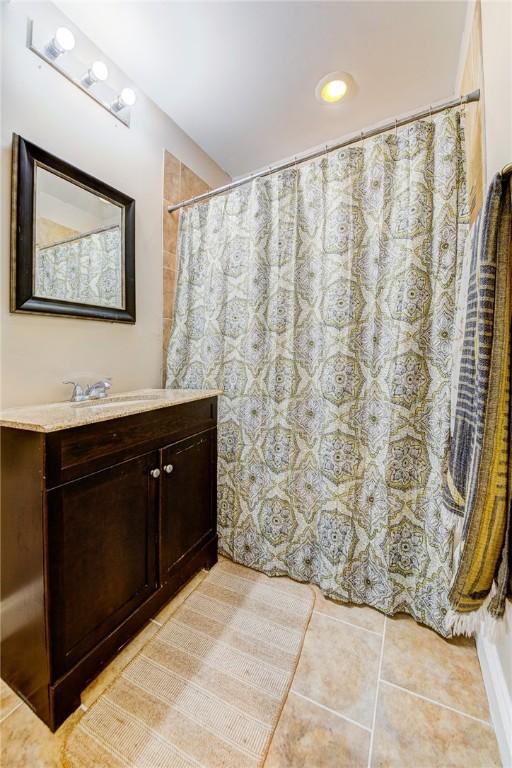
[39,352]
[496,654]
[497,70]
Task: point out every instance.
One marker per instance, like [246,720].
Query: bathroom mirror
[73,240]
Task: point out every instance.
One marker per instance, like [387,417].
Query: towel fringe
[479,622]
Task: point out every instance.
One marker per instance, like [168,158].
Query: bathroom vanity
[107,509]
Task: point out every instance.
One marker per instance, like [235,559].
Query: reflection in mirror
[79,254]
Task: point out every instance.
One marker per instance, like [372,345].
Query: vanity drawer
[73,453]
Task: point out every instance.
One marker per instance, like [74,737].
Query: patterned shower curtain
[321,300]
[86,269]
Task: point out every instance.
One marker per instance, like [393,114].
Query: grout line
[18,705]
[372,734]
[348,623]
[437,703]
[154,621]
[328,709]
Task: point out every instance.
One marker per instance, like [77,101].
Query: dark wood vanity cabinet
[187,506]
[101,554]
[101,525]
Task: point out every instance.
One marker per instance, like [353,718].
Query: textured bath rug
[208,688]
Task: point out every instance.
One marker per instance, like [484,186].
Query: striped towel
[478,486]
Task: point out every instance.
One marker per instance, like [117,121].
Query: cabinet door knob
[168,468]
[155,473]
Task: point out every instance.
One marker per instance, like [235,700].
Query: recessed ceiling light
[333,91]
[333,87]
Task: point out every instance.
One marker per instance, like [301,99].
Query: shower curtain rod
[427,112]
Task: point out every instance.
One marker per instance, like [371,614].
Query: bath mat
[208,688]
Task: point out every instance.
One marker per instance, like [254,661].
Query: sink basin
[113,402]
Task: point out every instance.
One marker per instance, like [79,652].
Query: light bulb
[126,98]
[62,42]
[333,91]
[97,73]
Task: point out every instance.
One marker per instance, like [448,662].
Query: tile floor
[368,691]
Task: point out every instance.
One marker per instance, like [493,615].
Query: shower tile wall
[471,80]
[180,183]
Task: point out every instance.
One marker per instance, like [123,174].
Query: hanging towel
[478,484]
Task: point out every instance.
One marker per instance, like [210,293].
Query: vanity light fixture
[332,88]
[91,78]
[126,98]
[98,72]
[63,41]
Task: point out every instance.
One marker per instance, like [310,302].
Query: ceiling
[240,77]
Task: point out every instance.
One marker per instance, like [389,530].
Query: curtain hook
[396,127]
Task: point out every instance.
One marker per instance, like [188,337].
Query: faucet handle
[98,389]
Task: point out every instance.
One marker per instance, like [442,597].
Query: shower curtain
[87,269]
[321,300]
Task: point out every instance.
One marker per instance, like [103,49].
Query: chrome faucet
[78,392]
[90,392]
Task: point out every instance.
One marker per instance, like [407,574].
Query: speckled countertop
[55,416]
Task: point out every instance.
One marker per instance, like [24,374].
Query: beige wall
[497,75]
[39,352]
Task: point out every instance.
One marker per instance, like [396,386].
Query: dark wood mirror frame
[25,158]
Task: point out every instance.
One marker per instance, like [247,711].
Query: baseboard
[500,702]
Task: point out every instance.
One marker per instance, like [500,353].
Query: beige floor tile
[109,674]
[28,743]
[359,615]
[447,671]
[338,668]
[8,700]
[308,735]
[411,732]
[182,595]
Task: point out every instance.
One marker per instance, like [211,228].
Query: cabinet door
[188,503]
[101,554]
